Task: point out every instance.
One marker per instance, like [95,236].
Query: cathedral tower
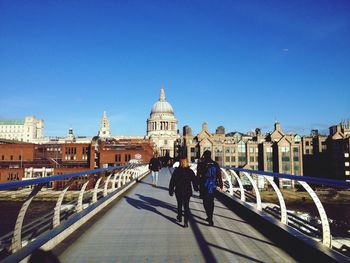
[162,126]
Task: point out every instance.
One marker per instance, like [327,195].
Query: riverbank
[295,197]
[46,195]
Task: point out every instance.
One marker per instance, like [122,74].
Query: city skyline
[240,65]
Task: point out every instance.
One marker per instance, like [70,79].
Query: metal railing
[231,174]
[99,187]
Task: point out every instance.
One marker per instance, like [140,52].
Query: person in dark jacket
[180,183]
[210,178]
[155,165]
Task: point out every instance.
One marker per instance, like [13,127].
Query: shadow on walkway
[158,187]
[150,204]
[201,202]
[236,253]
[217,215]
[203,218]
[241,234]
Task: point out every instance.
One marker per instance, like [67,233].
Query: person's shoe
[207,219]
[185,225]
[179,219]
[211,223]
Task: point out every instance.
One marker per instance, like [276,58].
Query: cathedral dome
[162,106]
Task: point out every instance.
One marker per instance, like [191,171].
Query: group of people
[207,181]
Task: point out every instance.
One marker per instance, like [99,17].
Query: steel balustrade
[111,180]
[302,180]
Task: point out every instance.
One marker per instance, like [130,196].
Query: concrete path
[142,227]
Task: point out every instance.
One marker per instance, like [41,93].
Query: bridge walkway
[141,227]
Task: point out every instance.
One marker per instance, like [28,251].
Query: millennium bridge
[118,216]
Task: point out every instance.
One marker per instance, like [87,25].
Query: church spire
[162,94]
[104,131]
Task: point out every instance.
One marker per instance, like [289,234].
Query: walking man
[209,174]
[155,165]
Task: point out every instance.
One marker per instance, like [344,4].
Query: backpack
[210,178]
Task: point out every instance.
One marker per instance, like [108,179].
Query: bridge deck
[141,227]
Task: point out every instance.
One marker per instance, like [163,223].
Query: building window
[269,149]
[251,159]
[20,157]
[285,153]
[269,157]
[241,147]
[11,157]
[118,158]
[296,169]
[285,167]
[227,150]
[227,159]
[233,149]
[233,159]
[269,167]
[296,154]
[127,157]
[241,159]
[3,157]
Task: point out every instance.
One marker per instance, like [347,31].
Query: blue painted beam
[43,180]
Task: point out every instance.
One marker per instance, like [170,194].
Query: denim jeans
[155,177]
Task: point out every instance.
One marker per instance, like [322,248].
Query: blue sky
[240,64]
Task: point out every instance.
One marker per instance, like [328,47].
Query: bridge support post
[256,190]
[16,242]
[326,232]
[80,198]
[240,184]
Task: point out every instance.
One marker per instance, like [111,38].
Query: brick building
[21,161]
[111,152]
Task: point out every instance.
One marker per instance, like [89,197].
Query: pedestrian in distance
[155,165]
[210,179]
[181,182]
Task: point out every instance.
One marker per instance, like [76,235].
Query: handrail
[308,179]
[303,181]
[4,186]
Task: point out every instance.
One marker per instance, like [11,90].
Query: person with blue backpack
[210,178]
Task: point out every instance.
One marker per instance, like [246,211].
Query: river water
[9,211]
